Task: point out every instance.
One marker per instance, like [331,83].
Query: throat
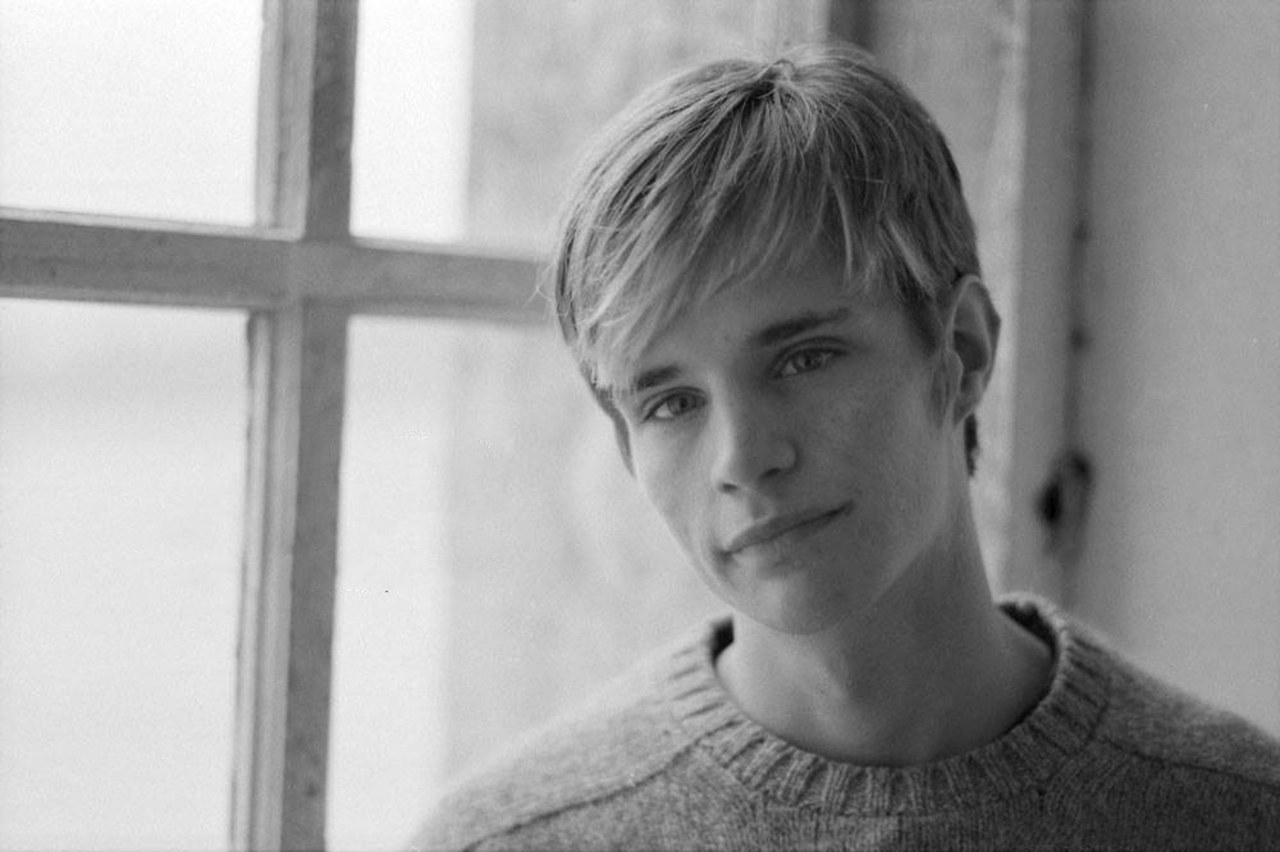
[905,700]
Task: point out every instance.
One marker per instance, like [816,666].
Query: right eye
[672,406]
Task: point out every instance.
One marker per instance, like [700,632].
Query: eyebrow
[780,332]
[770,335]
[649,379]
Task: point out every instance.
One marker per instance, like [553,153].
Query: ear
[972,330]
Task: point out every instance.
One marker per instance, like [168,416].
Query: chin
[798,611]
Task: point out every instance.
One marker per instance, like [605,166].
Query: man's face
[794,438]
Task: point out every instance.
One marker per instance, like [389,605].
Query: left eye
[805,361]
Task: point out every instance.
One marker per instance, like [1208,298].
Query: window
[379,382]
[112,107]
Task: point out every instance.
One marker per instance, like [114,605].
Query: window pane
[410,139]
[470,114]
[122,441]
[130,107]
[497,563]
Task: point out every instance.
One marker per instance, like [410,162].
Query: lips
[792,525]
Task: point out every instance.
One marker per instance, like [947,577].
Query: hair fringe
[738,169]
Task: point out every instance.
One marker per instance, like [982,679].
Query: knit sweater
[1109,758]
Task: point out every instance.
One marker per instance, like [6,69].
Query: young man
[769,276]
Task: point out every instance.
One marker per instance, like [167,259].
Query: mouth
[782,528]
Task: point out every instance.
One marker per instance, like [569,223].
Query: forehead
[757,314]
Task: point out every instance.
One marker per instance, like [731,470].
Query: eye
[805,361]
[673,406]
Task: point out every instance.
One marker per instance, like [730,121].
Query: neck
[930,669]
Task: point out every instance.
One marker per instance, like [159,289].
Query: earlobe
[973,330]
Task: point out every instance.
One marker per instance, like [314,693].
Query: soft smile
[789,528]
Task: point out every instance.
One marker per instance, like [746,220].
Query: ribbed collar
[1033,750]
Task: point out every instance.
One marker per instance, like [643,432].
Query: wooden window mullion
[297,365]
[306,107]
[297,390]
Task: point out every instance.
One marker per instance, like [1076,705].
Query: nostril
[762,458]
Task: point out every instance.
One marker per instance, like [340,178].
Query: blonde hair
[736,169]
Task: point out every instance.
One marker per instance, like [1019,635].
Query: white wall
[1180,378]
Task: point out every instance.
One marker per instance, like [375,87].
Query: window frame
[300,275]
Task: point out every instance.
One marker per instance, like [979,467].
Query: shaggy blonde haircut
[732,172]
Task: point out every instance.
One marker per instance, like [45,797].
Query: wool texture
[1110,758]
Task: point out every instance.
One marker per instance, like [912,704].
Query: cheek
[885,444]
[665,478]
[915,461]
[856,433]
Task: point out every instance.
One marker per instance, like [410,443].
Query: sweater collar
[1026,755]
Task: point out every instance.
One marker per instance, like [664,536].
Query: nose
[752,446]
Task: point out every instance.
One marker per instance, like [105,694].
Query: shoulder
[1200,775]
[1149,766]
[1144,717]
[1169,728]
[621,738]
